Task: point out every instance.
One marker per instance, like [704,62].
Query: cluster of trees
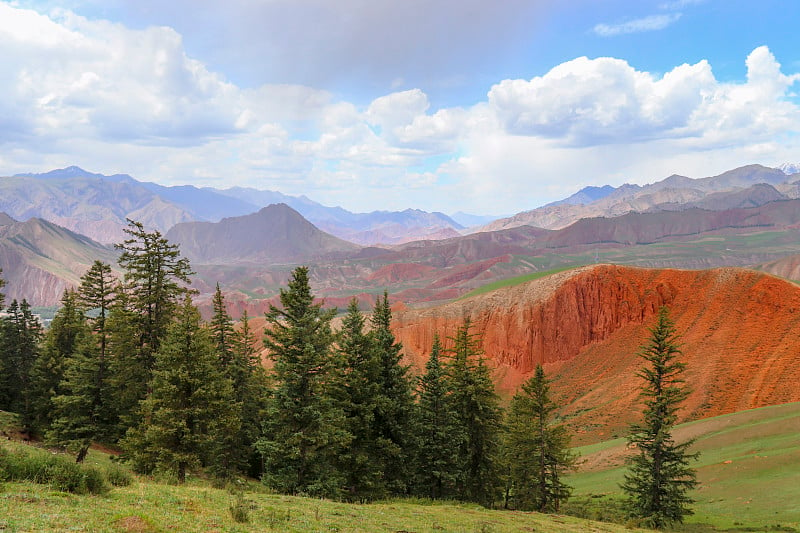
[129,362]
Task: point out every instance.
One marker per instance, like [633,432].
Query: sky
[442,105]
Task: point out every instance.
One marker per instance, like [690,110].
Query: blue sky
[485,107]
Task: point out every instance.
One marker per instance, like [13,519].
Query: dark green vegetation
[128,363]
[536,452]
[660,478]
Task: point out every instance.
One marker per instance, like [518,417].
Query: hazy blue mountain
[586,195]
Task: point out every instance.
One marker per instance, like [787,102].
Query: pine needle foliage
[438,431]
[304,428]
[660,476]
[537,452]
[479,416]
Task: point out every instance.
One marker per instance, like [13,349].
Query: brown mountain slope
[740,330]
[275,234]
[40,259]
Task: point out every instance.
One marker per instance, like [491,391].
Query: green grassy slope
[150,506]
[749,470]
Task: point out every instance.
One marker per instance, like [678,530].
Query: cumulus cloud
[586,102]
[115,99]
[650,23]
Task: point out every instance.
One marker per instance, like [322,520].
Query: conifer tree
[20,349]
[659,476]
[96,296]
[395,408]
[536,452]
[304,429]
[82,414]
[155,279]
[438,432]
[59,344]
[2,296]
[190,406]
[360,394]
[480,417]
[127,378]
[252,393]
[235,357]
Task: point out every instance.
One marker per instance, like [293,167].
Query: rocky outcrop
[739,333]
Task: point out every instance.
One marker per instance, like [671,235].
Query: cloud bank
[115,99]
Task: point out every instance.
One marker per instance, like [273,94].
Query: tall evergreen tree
[360,394]
[439,434]
[155,279]
[19,351]
[126,376]
[47,373]
[659,476]
[395,409]
[479,414]
[304,430]
[190,406]
[81,413]
[252,392]
[537,453]
[2,296]
[96,296]
[237,362]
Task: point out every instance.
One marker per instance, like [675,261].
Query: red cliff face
[739,328]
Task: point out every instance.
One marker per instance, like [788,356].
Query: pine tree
[2,296]
[155,279]
[20,349]
[252,393]
[127,378]
[233,452]
[479,415]
[189,408]
[59,344]
[438,433]
[304,430]
[659,477]
[360,394]
[536,452]
[81,412]
[395,407]
[96,296]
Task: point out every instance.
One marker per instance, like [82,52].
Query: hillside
[739,330]
[275,234]
[747,471]
[40,259]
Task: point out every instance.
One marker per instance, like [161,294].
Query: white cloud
[650,23]
[114,99]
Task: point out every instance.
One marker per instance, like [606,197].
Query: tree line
[128,362]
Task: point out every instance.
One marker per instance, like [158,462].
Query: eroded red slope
[740,333]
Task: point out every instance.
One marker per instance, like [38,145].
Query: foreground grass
[148,506]
[749,472]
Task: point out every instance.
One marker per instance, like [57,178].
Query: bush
[60,472]
[118,476]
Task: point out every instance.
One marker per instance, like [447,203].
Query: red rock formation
[739,329]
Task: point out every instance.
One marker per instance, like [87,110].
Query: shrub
[118,476]
[55,470]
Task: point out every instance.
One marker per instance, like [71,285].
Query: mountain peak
[789,168]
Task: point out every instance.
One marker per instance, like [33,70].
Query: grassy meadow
[748,469]
[748,472]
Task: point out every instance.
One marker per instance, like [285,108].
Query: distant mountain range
[677,222]
[736,188]
[97,205]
